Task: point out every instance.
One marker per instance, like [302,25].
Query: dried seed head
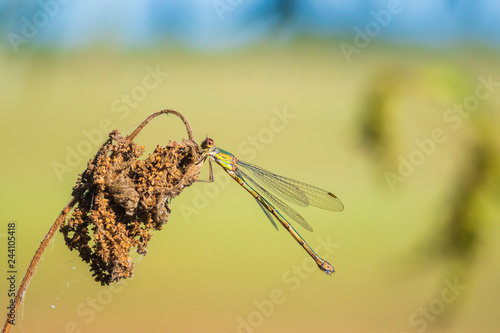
[121,199]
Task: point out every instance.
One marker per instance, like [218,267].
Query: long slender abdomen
[324,265]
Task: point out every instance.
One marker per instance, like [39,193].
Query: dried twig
[119,199]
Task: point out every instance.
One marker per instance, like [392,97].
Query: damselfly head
[207,144]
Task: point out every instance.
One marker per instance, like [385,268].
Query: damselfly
[260,183]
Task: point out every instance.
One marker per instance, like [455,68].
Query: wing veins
[293,190]
[283,207]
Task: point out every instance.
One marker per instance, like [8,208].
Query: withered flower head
[121,199]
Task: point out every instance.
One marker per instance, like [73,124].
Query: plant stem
[36,259]
[166,111]
[48,237]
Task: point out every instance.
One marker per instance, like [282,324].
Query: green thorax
[224,158]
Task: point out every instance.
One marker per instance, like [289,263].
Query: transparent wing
[280,205]
[292,190]
[268,214]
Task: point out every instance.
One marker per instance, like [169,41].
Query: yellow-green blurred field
[218,265]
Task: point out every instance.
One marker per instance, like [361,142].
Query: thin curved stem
[50,234]
[165,111]
[36,259]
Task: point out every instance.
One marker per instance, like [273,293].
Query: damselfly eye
[207,143]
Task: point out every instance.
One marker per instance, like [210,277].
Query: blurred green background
[412,254]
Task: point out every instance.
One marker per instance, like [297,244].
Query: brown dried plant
[119,200]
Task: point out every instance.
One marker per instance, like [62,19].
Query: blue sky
[226,23]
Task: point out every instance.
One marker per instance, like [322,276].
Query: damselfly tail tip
[326,267]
